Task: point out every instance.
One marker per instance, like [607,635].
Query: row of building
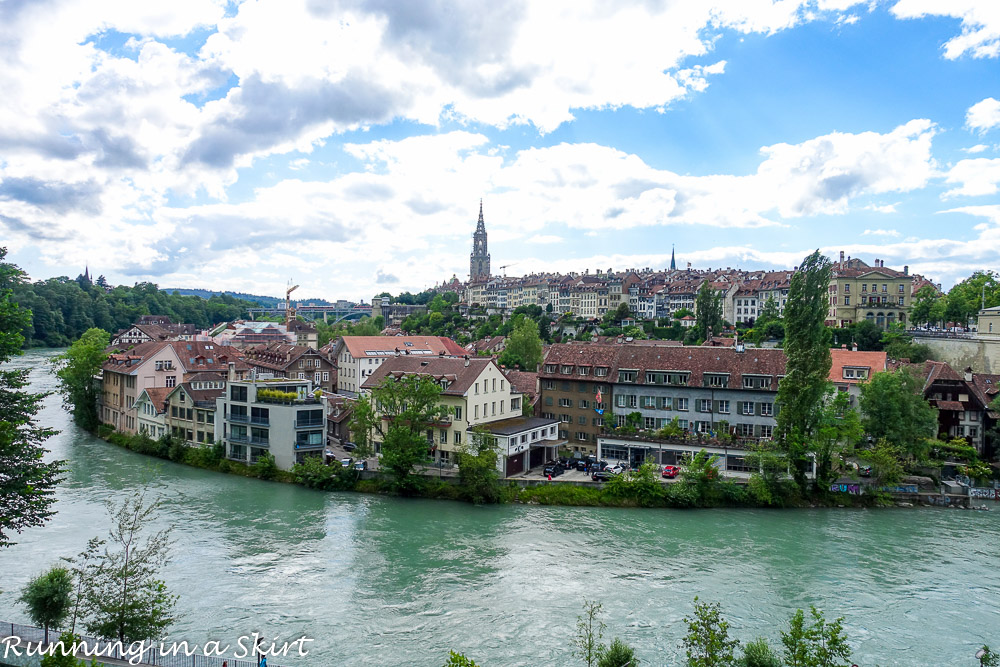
[294,401]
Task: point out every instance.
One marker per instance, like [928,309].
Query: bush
[178,451]
[315,474]
[759,653]
[619,654]
[265,467]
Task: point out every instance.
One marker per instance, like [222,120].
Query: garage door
[515,464]
[537,456]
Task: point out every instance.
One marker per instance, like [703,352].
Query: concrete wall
[982,354]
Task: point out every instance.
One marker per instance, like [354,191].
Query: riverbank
[697,492]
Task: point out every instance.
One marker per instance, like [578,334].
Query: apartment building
[572,377]
[299,362]
[358,357]
[860,292]
[190,409]
[278,416]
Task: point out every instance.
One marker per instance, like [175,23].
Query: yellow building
[860,292]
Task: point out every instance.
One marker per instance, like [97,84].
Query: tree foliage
[401,411]
[807,349]
[618,654]
[894,409]
[76,369]
[838,430]
[708,311]
[523,347]
[820,644]
[707,642]
[27,482]
[49,598]
[123,598]
[477,468]
[589,633]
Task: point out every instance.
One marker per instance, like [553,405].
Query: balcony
[239,419]
[309,423]
[238,438]
[260,421]
[260,442]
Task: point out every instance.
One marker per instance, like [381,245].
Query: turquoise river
[385,581]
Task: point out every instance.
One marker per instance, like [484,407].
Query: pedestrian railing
[114,650]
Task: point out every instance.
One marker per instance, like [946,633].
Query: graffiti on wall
[853,489]
[985,494]
[901,488]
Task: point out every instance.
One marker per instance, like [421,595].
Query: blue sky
[229,145]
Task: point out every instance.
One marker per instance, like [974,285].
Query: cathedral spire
[479,260]
[481,226]
[673,264]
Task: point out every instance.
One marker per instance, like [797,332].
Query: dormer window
[566,369]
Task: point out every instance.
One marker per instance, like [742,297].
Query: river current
[385,581]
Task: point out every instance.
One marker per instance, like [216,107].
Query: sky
[345,145]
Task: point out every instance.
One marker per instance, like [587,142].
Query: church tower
[673,264]
[479,261]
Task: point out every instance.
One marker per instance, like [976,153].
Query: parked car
[670,471]
[601,475]
[346,463]
[349,446]
[554,469]
[865,471]
[581,464]
[361,465]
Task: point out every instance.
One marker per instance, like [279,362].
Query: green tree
[404,409]
[681,313]
[618,654]
[123,598]
[76,370]
[27,483]
[923,310]
[707,643]
[589,632]
[265,467]
[768,484]
[523,347]
[967,297]
[821,644]
[708,311]
[884,459]
[894,409]
[61,655]
[867,335]
[49,598]
[838,429]
[477,468]
[988,657]
[459,660]
[801,391]
[700,474]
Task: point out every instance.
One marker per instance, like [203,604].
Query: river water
[383,581]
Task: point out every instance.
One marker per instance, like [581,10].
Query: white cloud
[978,148]
[881,232]
[980,19]
[977,176]
[883,208]
[984,115]
[544,238]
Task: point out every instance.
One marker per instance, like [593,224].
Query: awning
[950,405]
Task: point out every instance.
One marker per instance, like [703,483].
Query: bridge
[337,313]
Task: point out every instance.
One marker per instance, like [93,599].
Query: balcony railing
[238,438]
[308,423]
[260,442]
[241,419]
[260,421]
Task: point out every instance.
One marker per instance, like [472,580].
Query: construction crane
[504,267]
[289,311]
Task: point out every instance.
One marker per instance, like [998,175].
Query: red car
[670,471]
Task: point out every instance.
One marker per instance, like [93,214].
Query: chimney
[841,259]
[466,361]
[843,346]
[968,373]
[854,347]
[232,371]
[906,270]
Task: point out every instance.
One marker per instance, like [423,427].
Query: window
[885,288]
[458,437]
[581,420]
[847,299]
[744,430]
[326,376]
[703,427]
[901,301]
[582,387]
[717,381]
[171,380]
[847,287]
[583,370]
[704,405]
[665,402]
[601,371]
[548,400]
[550,368]
[766,430]
[476,409]
[864,287]
[159,365]
[680,404]
[581,436]
[458,413]
[548,384]
[973,432]
[565,403]
[584,404]
[767,409]
[649,422]
[494,384]
[746,408]
[724,407]
[515,404]
[493,411]
[566,369]
[626,376]
[477,387]
[564,418]
[443,439]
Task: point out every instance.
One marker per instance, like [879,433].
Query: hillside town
[270,387]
